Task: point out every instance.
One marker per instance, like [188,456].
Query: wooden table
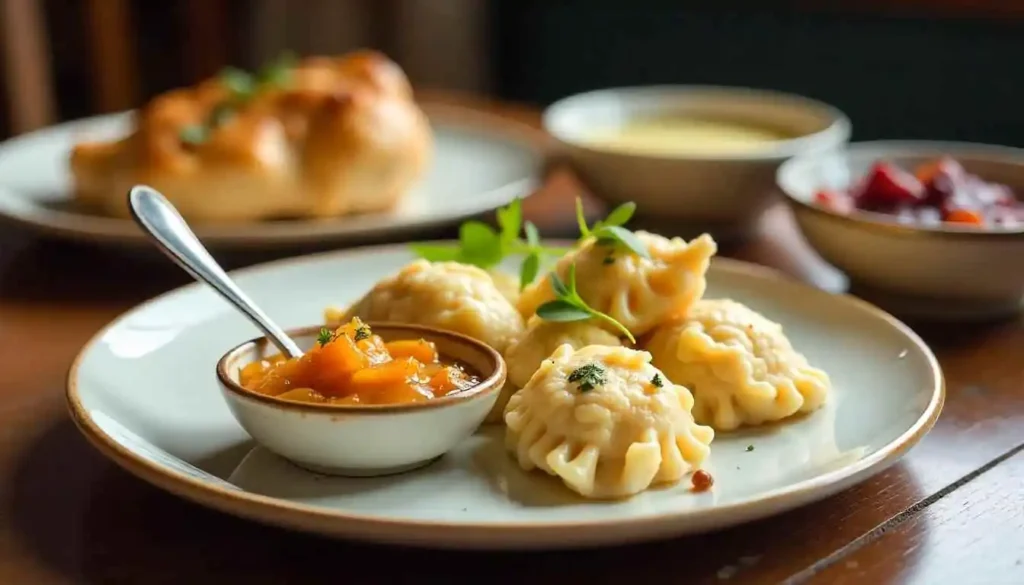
[951,512]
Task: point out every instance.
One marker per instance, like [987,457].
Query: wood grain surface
[952,511]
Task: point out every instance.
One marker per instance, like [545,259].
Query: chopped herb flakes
[361,333]
[325,336]
[657,381]
[750,448]
[588,377]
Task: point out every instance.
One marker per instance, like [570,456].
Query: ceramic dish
[364,440]
[481,162]
[176,432]
[723,194]
[945,272]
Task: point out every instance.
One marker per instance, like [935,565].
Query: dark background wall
[922,75]
[895,76]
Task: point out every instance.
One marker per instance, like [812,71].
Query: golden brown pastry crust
[344,136]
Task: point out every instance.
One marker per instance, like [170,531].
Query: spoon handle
[168,229]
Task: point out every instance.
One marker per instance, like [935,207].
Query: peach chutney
[351,365]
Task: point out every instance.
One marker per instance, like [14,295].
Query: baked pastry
[322,137]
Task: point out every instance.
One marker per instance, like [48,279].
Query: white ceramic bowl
[945,272]
[363,441]
[688,194]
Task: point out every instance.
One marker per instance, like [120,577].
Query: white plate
[143,391]
[481,162]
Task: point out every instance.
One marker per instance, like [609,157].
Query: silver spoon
[165,226]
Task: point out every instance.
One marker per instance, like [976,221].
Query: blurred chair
[439,44]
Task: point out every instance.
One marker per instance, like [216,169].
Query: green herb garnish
[242,86]
[750,448]
[483,246]
[194,134]
[362,332]
[609,231]
[587,377]
[325,336]
[569,306]
[656,381]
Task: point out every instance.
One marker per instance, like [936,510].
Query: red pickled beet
[886,187]
[834,200]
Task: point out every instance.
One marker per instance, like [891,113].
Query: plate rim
[368,527]
[104,229]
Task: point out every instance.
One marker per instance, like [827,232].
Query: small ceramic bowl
[944,272]
[363,441]
[686,194]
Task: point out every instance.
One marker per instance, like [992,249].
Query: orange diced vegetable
[965,216]
[420,349]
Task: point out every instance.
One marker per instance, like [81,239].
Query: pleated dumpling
[740,366]
[606,422]
[637,292]
[541,338]
[447,295]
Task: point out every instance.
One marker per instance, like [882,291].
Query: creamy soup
[683,135]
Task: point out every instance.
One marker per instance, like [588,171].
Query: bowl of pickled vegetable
[925,229]
[365,399]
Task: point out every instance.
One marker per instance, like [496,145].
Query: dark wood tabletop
[952,511]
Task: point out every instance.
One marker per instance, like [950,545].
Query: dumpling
[637,292]
[507,284]
[541,338]
[606,422]
[448,295]
[740,366]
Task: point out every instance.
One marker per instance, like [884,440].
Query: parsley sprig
[609,231]
[587,377]
[242,87]
[483,246]
[569,306]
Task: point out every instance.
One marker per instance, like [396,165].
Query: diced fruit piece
[331,366]
[397,371]
[927,172]
[965,216]
[448,380]
[834,200]
[887,187]
[422,350]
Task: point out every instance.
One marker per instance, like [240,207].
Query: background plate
[481,162]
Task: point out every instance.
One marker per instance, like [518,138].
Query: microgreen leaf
[437,252]
[278,72]
[569,306]
[620,215]
[616,235]
[581,219]
[562,311]
[558,286]
[325,336]
[194,134]
[239,82]
[481,245]
[528,271]
[532,235]
[510,221]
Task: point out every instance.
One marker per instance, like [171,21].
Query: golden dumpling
[606,422]
[541,338]
[637,292]
[739,365]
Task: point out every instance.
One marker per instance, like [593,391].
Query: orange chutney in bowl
[351,365]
